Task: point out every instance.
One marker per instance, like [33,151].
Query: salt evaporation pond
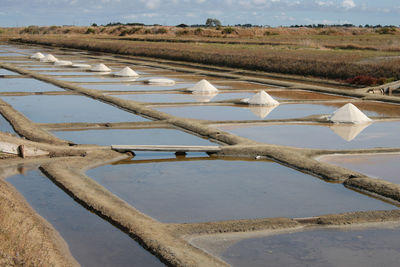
[135,86]
[5,126]
[383,166]
[7,72]
[378,134]
[183,97]
[91,240]
[68,108]
[319,247]
[132,137]
[283,111]
[215,189]
[26,85]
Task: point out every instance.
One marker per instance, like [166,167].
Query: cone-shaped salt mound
[203,87]
[37,55]
[100,68]
[348,131]
[349,114]
[261,98]
[160,81]
[126,72]
[82,66]
[63,63]
[49,58]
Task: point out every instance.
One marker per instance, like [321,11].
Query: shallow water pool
[68,108]
[208,189]
[341,136]
[91,240]
[384,166]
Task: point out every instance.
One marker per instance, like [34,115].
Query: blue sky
[173,12]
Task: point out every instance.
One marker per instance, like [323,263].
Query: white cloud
[152,4]
[348,4]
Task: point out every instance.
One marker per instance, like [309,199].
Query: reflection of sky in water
[5,126]
[322,247]
[283,111]
[208,190]
[385,166]
[135,87]
[7,72]
[26,85]
[383,134]
[132,137]
[68,108]
[91,240]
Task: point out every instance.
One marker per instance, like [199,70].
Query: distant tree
[213,22]
[94,24]
[182,25]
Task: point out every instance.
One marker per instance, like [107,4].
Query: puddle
[7,72]
[384,166]
[176,98]
[209,189]
[379,134]
[318,247]
[92,241]
[68,108]
[132,137]
[5,126]
[26,85]
[135,87]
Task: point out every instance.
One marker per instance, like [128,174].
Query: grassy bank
[361,56]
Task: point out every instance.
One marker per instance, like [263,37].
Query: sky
[173,12]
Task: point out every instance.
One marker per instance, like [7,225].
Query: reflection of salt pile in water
[62,63]
[81,66]
[48,58]
[37,55]
[204,97]
[261,98]
[349,114]
[262,111]
[203,87]
[349,131]
[160,81]
[100,68]
[126,72]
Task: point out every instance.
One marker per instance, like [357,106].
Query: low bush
[228,30]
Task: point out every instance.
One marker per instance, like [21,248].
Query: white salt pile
[160,81]
[63,63]
[37,55]
[261,98]
[203,87]
[126,72]
[49,58]
[349,114]
[100,68]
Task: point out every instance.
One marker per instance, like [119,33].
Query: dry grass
[334,53]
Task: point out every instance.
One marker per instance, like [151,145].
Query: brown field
[363,56]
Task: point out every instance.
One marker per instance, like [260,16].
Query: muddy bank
[26,239]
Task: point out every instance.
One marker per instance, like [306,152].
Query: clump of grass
[268,33]
[386,30]
[90,31]
[198,31]
[366,80]
[181,32]
[228,30]
[160,31]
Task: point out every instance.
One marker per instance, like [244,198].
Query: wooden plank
[21,150]
[166,148]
